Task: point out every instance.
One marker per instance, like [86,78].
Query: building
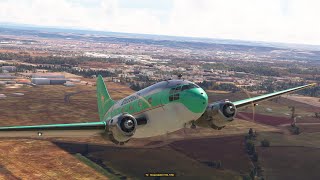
[57,81]
[40,81]
[48,81]
[9,68]
[6,76]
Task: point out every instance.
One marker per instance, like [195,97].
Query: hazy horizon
[280,21]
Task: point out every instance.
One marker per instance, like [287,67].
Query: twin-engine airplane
[164,107]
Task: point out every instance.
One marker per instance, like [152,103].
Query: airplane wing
[54,130]
[218,114]
[264,97]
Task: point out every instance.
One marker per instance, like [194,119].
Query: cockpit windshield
[189,86]
[183,88]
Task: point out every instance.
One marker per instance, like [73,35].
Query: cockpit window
[185,87]
[189,86]
[178,89]
[195,86]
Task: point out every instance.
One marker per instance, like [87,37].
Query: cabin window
[150,100]
[174,93]
[174,97]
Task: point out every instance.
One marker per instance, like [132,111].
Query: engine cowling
[219,114]
[121,128]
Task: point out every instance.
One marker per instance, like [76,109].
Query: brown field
[309,128]
[285,139]
[46,104]
[135,162]
[264,119]
[306,127]
[37,159]
[290,162]
[281,108]
[307,100]
[290,156]
[229,150]
[30,159]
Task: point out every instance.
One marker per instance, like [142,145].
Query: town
[39,58]
[49,76]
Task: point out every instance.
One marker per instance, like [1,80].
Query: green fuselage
[158,95]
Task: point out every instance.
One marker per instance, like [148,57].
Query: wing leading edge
[54,130]
[264,97]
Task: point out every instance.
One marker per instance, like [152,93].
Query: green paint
[192,99]
[104,100]
[195,99]
[72,126]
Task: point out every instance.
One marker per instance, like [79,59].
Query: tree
[218,164]
[254,157]
[250,132]
[265,143]
[250,147]
[246,177]
[296,130]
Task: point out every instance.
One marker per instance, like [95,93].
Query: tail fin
[104,100]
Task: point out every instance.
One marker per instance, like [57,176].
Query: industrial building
[40,81]
[8,68]
[6,76]
[48,81]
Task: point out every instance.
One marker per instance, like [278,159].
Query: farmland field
[229,150]
[290,156]
[184,152]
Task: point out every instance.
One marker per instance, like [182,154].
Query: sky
[288,21]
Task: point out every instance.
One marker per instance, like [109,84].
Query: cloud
[272,20]
[293,21]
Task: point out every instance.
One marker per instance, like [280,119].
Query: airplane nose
[203,97]
[198,101]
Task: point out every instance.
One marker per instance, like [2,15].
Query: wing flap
[54,130]
[246,102]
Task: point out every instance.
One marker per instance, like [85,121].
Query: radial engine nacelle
[121,128]
[220,113]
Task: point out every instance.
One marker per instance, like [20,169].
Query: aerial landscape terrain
[48,76]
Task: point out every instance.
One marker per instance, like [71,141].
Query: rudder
[104,100]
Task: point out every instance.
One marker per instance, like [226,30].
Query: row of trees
[85,73]
[208,85]
[256,171]
[58,60]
